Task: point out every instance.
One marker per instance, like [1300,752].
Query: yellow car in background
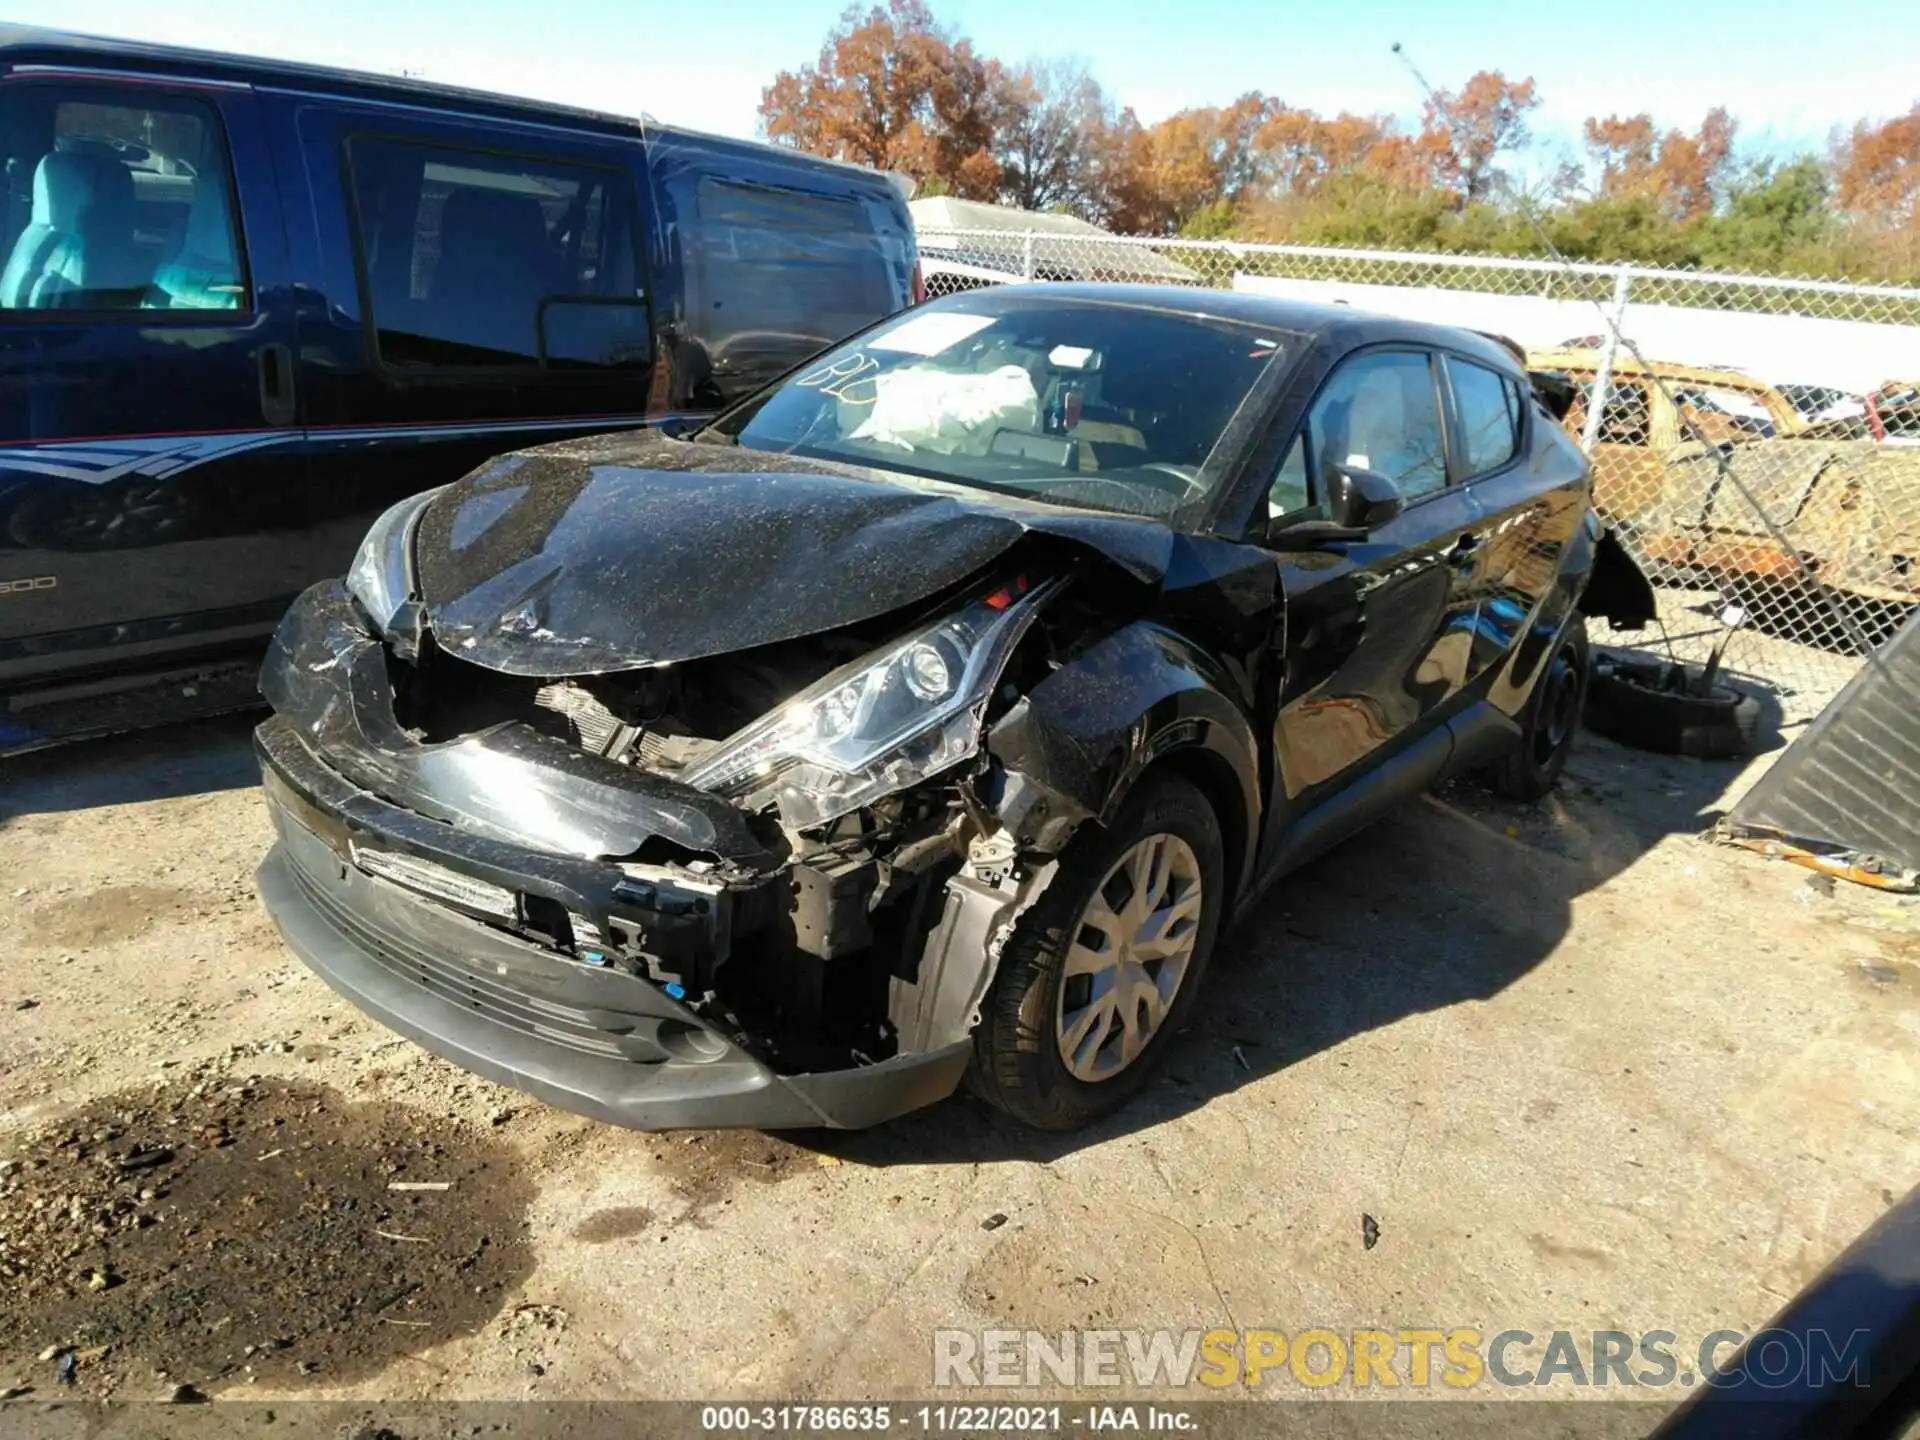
[1795,503]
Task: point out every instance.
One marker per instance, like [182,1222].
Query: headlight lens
[888,720]
[379,576]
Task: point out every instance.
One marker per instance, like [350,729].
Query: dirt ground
[1583,1070]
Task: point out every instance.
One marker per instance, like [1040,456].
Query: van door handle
[275,362]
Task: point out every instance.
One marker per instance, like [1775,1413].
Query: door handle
[275,362]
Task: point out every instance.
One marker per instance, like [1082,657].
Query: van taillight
[919,283]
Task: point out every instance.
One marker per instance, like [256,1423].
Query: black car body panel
[505,780]
[1072,748]
[216,377]
[588,623]
[605,554]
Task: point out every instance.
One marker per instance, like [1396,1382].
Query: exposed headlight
[888,720]
[380,576]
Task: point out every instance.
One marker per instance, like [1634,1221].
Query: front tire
[1550,720]
[1103,969]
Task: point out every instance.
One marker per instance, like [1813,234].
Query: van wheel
[1550,721]
[1103,969]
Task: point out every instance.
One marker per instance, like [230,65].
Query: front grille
[606,1033]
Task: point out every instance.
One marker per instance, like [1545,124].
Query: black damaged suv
[932,711]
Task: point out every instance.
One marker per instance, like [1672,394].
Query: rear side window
[1490,409]
[473,259]
[116,202]
[1628,418]
[774,275]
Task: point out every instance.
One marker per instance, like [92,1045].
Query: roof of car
[1347,326]
[26,45]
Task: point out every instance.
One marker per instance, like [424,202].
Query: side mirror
[1358,500]
[1361,499]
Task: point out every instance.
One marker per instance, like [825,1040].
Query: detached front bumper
[389,903]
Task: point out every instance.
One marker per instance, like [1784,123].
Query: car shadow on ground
[194,758]
[1450,899]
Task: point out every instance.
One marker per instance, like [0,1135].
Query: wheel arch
[1210,773]
[1072,750]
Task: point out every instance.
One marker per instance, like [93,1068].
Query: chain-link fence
[1755,439]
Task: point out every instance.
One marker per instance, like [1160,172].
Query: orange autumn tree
[1877,181]
[1879,169]
[1475,125]
[1678,172]
[895,90]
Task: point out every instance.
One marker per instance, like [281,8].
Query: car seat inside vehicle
[495,264]
[77,250]
[204,274]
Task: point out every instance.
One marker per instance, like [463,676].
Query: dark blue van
[246,305]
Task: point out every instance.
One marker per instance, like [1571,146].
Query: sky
[1789,73]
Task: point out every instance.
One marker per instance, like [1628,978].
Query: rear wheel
[1103,969]
[1548,724]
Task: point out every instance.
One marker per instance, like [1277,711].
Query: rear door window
[1490,411]
[116,203]
[772,276]
[475,260]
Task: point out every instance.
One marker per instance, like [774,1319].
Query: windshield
[1099,404]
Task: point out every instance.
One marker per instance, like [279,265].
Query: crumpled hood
[626,551]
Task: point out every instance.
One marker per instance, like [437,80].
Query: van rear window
[773,276]
[481,260]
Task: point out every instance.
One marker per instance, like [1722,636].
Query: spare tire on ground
[1658,705]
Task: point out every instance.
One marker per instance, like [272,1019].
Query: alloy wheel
[1130,951]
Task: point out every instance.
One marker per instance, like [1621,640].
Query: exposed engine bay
[661,719]
[820,963]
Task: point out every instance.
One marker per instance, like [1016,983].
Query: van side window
[772,276]
[479,260]
[116,203]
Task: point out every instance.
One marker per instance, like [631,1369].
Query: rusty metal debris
[1671,434]
[1821,856]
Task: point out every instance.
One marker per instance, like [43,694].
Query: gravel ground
[1580,1068]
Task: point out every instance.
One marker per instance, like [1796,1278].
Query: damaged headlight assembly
[886,721]
[380,578]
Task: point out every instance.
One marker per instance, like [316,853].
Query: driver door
[1379,631]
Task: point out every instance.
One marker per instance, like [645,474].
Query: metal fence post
[1026,263]
[1603,376]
